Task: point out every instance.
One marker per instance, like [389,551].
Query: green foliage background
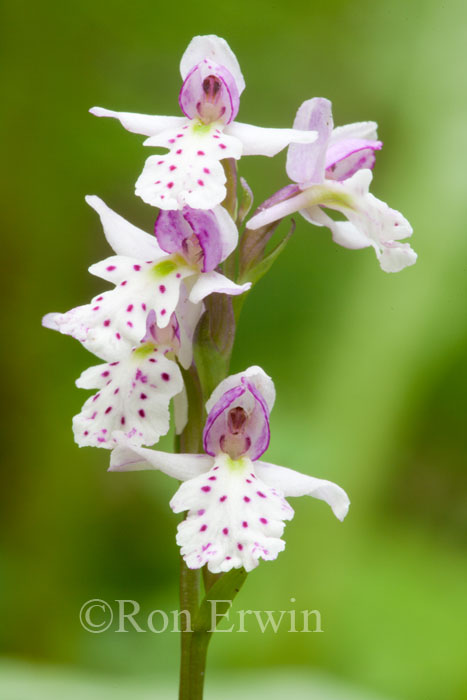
[369,368]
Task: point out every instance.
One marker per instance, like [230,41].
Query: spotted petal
[133,397]
[191,173]
[234,518]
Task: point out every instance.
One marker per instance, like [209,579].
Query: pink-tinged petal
[357,130]
[216,49]
[238,424]
[191,173]
[291,483]
[306,162]
[128,457]
[234,519]
[343,232]
[395,256]
[133,397]
[203,237]
[213,282]
[171,230]
[146,124]
[278,211]
[123,237]
[258,141]
[345,157]
[210,93]
[254,375]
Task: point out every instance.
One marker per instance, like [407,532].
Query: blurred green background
[370,368]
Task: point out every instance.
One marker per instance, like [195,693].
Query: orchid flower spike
[236,503]
[335,173]
[191,173]
[149,275]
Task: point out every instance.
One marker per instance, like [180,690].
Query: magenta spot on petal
[201,511]
[225,530]
[248,481]
[142,413]
[117,390]
[129,308]
[261,494]
[118,336]
[143,306]
[99,298]
[246,499]
[206,170]
[263,520]
[165,376]
[110,268]
[179,136]
[108,409]
[215,469]
[178,152]
[170,185]
[86,432]
[101,439]
[107,322]
[129,324]
[122,420]
[137,268]
[162,288]
[205,488]
[105,374]
[163,312]
[203,528]
[96,397]
[143,396]
[172,168]
[228,558]
[200,183]
[152,359]
[162,196]
[159,162]
[244,524]
[171,140]
[123,283]
[94,415]
[239,546]
[95,308]
[216,137]
[178,275]
[212,478]
[201,153]
[157,182]
[222,145]
[222,499]
[252,475]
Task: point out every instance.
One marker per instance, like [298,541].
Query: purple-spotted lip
[228,82]
[261,443]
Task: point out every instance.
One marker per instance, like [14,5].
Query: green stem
[189,441]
